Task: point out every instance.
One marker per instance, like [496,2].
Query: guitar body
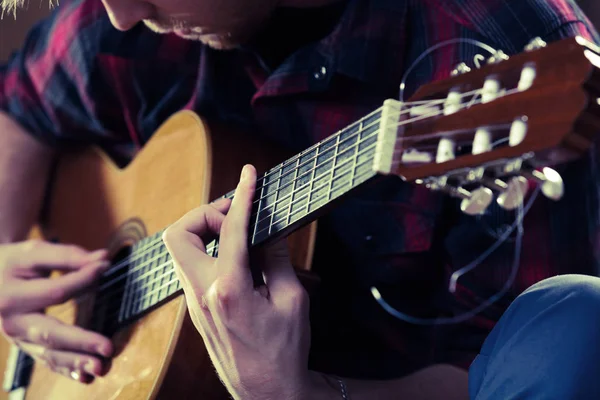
[95,204]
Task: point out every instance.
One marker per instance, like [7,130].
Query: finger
[199,222]
[233,252]
[48,332]
[35,294]
[222,205]
[187,249]
[277,269]
[40,254]
[59,360]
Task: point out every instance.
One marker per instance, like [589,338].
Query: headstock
[489,131]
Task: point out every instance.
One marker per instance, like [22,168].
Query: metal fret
[277,193]
[333,169]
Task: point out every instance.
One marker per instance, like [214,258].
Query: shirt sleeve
[512,24]
[79,81]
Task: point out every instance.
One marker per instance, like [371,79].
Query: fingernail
[89,368]
[103,350]
[96,255]
[245,173]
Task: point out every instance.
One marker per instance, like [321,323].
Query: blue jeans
[546,345]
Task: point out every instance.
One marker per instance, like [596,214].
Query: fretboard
[289,195]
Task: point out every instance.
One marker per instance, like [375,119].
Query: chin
[219,43]
[215,41]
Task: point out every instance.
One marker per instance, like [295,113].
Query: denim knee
[581,291]
[546,344]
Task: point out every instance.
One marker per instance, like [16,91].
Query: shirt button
[369,244]
[320,73]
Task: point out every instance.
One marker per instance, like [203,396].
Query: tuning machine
[549,181]
[473,202]
[535,44]
[511,194]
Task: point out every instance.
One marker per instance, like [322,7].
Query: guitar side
[95,204]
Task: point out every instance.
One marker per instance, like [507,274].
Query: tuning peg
[535,44]
[514,194]
[473,203]
[477,201]
[549,180]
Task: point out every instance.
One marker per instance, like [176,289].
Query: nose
[125,14]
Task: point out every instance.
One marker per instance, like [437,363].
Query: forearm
[436,382]
[24,169]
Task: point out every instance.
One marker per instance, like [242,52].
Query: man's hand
[258,339]
[26,290]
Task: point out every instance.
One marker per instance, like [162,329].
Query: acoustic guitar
[480,136]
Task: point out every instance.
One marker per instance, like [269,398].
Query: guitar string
[209,248]
[127,261]
[276,191]
[132,312]
[362,131]
[269,215]
[140,252]
[65,311]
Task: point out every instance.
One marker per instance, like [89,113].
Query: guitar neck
[288,196]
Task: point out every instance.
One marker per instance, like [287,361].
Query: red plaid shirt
[79,81]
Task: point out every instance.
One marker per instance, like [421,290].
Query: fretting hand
[258,339]
[25,290]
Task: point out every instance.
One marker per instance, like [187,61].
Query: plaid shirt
[79,81]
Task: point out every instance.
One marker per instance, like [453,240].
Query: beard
[218,41]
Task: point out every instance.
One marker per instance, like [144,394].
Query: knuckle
[7,302]
[298,299]
[8,327]
[41,336]
[51,360]
[225,292]
[72,254]
[31,245]
[58,295]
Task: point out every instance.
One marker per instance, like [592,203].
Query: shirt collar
[368,44]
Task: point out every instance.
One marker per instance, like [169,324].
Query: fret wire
[175,280]
[372,134]
[294,188]
[258,211]
[311,182]
[355,159]
[333,170]
[277,192]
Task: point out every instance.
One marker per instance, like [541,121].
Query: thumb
[277,268]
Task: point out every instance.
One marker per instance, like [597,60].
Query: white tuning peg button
[477,201]
[550,182]
[515,193]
